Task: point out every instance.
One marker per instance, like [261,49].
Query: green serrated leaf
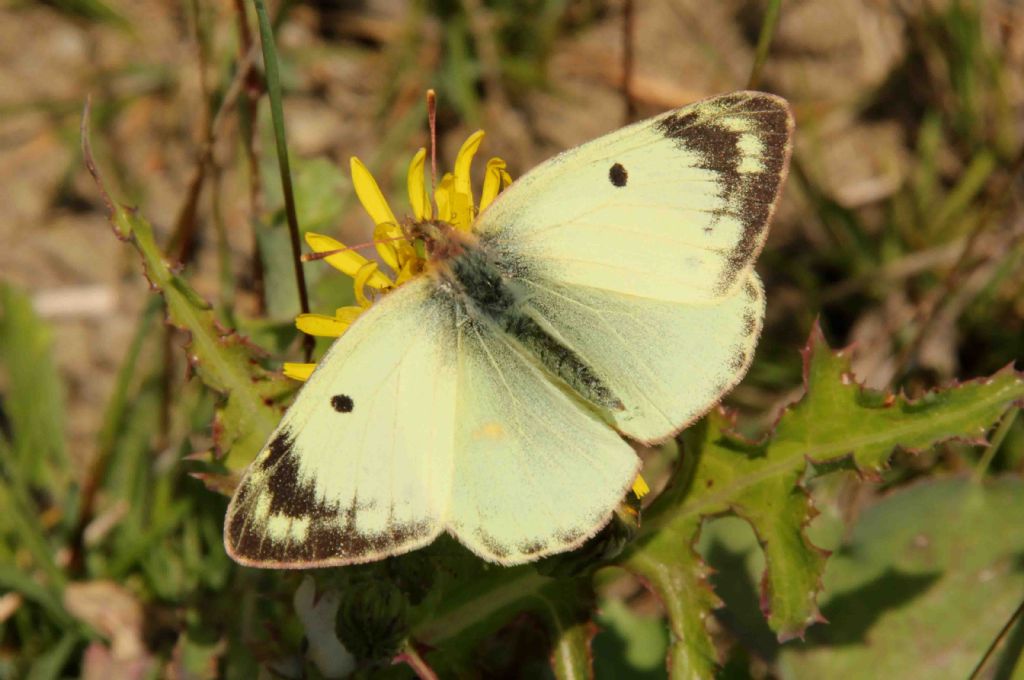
[671,568]
[224,360]
[922,586]
[761,483]
[840,418]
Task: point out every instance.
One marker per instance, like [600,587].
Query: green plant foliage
[92,10]
[450,604]
[111,555]
[225,361]
[33,459]
[319,187]
[629,644]
[836,420]
[943,555]
[35,408]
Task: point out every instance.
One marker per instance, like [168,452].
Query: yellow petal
[384,235]
[298,371]
[320,325]
[640,487]
[406,253]
[463,188]
[362,276]
[411,268]
[347,314]
[462,211]
[349,261]
[370,194]
[494,182]
[443,198]
[419,199]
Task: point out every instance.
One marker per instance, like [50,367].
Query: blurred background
[901,228]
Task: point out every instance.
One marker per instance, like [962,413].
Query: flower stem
[277,114]
[419,666]
[764,42]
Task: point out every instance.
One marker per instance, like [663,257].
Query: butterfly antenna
[432,122]
[324,254]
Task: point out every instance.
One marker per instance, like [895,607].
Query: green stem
[1014,617]
[764,42]
[277,114]
[993,446]
[473,608]
[22,517]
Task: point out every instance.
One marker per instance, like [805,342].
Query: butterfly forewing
[360,466]
[672,208]
[637,248]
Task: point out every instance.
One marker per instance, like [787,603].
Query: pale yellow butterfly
[608,292]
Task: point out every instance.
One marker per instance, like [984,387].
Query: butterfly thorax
[481,280]
[441,239]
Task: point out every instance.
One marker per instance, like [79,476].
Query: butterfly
[608,293]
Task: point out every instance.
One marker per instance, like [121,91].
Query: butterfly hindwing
[667,361]
[536,473]
[360,466]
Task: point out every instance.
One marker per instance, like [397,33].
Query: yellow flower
[640,487]
[452,203]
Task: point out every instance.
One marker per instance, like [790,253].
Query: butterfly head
[441,239]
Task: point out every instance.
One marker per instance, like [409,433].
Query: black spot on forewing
[342,403]
[751,196]
[618,175]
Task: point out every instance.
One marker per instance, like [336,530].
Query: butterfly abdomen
[491,296]
[560,360]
